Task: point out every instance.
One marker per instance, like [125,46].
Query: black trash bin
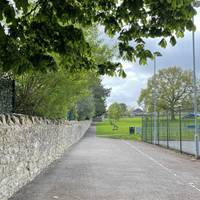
[131,130]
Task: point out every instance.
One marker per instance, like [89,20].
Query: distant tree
[101,53]
[86,108]
[124,109]
[174,88]
[100,94]
[114,114]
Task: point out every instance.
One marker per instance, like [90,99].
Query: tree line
[173,89]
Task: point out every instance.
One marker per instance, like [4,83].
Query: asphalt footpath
[111,169]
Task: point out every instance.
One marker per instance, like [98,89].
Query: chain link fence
[173,130]
[7,95]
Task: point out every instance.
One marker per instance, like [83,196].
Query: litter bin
[131,130]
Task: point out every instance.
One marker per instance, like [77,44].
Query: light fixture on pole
[196,135]
[156,54]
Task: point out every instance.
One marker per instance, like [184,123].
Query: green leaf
[173,41]
[142,61]
[163,43]
[148,54]
[21,4]
[190,26]
[180,34]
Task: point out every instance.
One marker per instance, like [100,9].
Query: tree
[32,32]
[86,108]
[174,88]
[101,54]
[51,94]
[124,109]
[114,114]
[58,94]
[100,94]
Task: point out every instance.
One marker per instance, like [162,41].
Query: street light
[196,136]
[156,54]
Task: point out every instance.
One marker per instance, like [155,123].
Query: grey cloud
[128,90]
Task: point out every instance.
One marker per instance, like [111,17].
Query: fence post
[151,128]
[167,129]
[158,129]
[146,128]
[142,127]
[180,129]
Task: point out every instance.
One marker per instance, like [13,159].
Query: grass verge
[104,129]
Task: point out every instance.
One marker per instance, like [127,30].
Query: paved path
[108,169]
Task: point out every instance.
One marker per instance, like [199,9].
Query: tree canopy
[114,112]
[173,89]
[124,109]
[52,94]
[100,94]
[86,108]
[33,32]
[63,93]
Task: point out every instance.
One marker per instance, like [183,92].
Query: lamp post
[196,135]
[156,54]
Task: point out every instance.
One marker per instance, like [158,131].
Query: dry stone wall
[29,144]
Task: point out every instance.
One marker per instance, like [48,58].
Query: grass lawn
[104,129]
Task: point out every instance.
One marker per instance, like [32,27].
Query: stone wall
[7,88]
[30,144]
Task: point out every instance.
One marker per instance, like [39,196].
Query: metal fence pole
[158,130]
[142,128]
[151,129]
[146,128]
[167,129]
[154,104]
[196,135]
[180,129]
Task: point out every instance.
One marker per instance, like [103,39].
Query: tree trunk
[172,114]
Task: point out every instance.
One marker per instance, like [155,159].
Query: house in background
[137,112]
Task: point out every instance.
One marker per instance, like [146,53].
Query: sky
[128,90]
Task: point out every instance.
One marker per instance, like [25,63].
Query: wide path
[108,169]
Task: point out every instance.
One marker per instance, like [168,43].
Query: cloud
[128,90]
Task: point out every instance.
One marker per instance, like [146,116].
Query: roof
[191,115]
[138,110]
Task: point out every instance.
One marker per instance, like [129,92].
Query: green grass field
[104,129]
